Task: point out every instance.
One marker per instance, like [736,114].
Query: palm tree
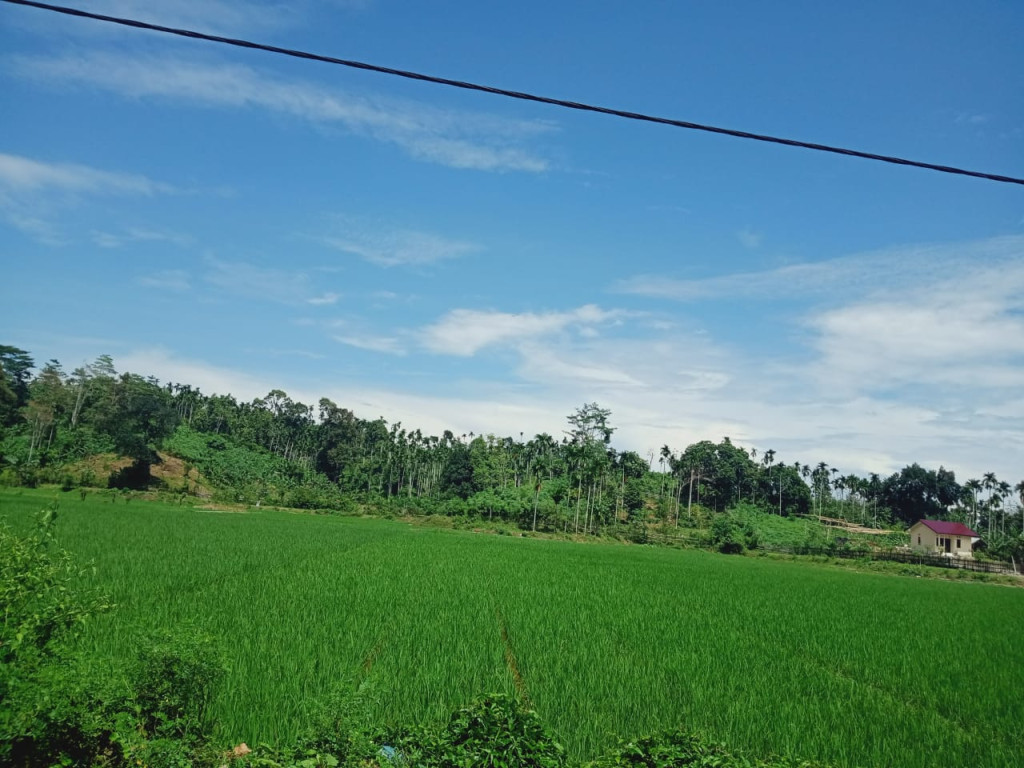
[990,482]
[768,458]
[1004,492]
[666,453]
[974,485]
[1019,488]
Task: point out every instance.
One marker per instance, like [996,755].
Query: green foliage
[457,477]
[731,537]
[915,493]
[43,605]
[176,678]
[342,726]
[249,474]
[63,707]
[678,749]
[41,598]
[15,365]
[495,731]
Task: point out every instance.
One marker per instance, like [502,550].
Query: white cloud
[234,18]
[892,268]
[749,239]
[23,174]
[965,330]
[324,300]
[398,247]
[39,229]
[464,332]
[138,235]
[456,139]
[387,344]
[973,118]
[256,282]
[170,279]
[545,364]
[211,379]
[32,192]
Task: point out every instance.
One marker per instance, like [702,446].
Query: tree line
[278,450]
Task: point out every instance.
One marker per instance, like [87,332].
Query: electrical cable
[580,106]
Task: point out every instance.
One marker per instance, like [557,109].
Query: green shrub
[174,681]
[677,749]
[726,535]
[495,732]
[342,727]
[47,715]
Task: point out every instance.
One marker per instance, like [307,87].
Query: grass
[604,640]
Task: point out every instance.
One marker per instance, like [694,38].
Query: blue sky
[243,221]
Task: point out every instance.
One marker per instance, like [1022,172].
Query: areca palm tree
[1004,492]
[974,485]
[666,454]
[768,459]
[990,482]
[1019,488]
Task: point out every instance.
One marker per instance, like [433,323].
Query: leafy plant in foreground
[677,749]
[42,604]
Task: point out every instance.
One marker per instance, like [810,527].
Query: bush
[726,535]
[677,749]
[342,727]
[496,732]
[175,679]
[63,708]
[46,713]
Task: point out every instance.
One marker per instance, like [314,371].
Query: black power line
[514,94]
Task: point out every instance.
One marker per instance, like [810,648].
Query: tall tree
[15,373]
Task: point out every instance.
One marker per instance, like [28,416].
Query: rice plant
[605,641]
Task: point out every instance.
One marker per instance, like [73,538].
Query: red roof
[949,529]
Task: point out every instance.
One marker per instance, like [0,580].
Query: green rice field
[603,640]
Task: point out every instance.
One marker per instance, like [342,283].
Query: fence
[912,558]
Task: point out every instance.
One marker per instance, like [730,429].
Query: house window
[919,538]
[937,541]
[958,543]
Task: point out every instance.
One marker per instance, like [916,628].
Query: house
[938,537]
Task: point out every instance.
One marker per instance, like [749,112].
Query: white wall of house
[924,539]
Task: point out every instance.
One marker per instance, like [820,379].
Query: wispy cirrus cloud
[129,235]
[749,238]
[234,18]
[168,279]
[396,247]
[281,286]
[464,332]
[973,118]
[252,281]
[324,300]
[32,192]
[390,345]
[26,175]
[456,139]
[889,269]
